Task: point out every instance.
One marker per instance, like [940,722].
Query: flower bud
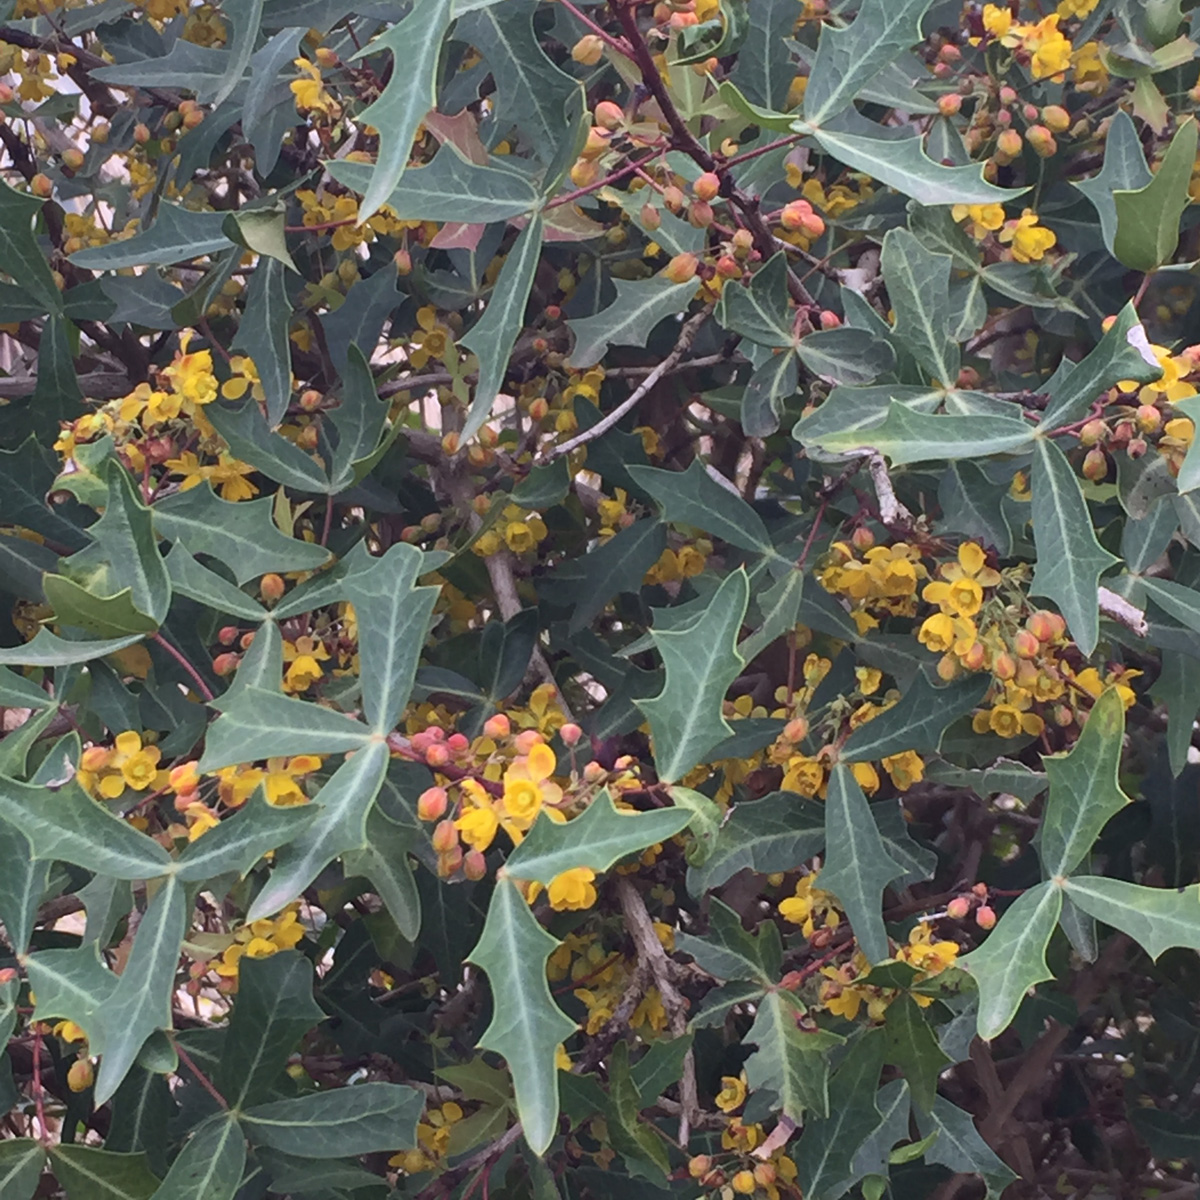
[449,862]
[72,158]
[403,260]
[1095,464]
[445,837]
[1148,418]
[1004,666]
[225,664]
[247,640]
[862,538]
[588,50]
[673,198]
[949,104]
[450,442]
[728,267]
[597,143]
[682,268]
[1093,433]
[474,864]
[609,115]
[526,740]
[1008,95]
[1008,146]
[1137,447]
[830,320]
[141,133]
[764,1173]
[1056,118]
[958,908]
[743,1183]
[593,772]
[228,635]
[432,803]
[271,587]
[975,656]
[1026,644]
[497,726]
[457,743]
[80,1075]
[41,186]
[699,1166]
[310,400]
[584,173]
[570,734]
[1042,141]
[796,730]
[707,186]
[700,214]
[794,214]
[985,916]
[194,118]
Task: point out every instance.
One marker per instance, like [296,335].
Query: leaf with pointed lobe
[790,1061]
[1156,918]
[729,951]
[210,1165]
[638,308]
[89,1173]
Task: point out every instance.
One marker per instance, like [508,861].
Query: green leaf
[118,1012]
[104,616]
[906,436]
[393,618]
[26,477]
[1013,957]
[1084,791]
[779,607]
[265,724]
[638,308]
[857,864]
[959,1147]
[974,506]
[704,821]
[49,650]
[701,661]
[66,824]
[250,439]
[1148,217]
[189,578]
[23,881]
[476,193]
[21,1163]
[766,393]
[244,18]
[760,310]
[238,842]
[341,824]
[360,420]
[792,1062]
[177,235]
[210,1165]
[912,1047]
[774,834]
[89,1173]
[18,692]
[384,863]
[845,355]
[1178,688]
[1069,558]
[828,1145]
[263,335]
[243,535]
[527,1026]
[692,497]
[918,285]
[917,721]
[416,46]
[641,1148]
[901,162]
[1176,600]
[764,69]
[22,257]
[261,230]
[851,56]
[1156,918]
[274,1009]
[1124,170]
[599,837]
[728,951]
[1122,353]
[340,1122]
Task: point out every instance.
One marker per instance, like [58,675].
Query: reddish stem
[181,659]
[615,177]
[749,154]
[607,38]
[328,523]
[204,1080]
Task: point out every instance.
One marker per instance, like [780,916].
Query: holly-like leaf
[67,825]
[242,536]
[959,1147]
[23,258]
[384,863]
[118,1012]
[845,355]
[1084,791]
[599,837]
[189,578]
[907,436]
[729,951]
[693,498]
[360,419]
[1156,918]
[89,1173]
[790,1061]
[263,335]
[527,1026]
[857,864]
[274,1009]
[759,310]
[779,607]
[1122,353]
[912,1047]
[851,56]
[210,1165]
[917,721]
[23,881]
[177,235]
[416,46]
[774,834]
[973,505]
[340,825]
[1148,217]
[1124,170]
[1069,558]
[21,1163]
[340,1122]
[918,284]
[701,661]
[766,393]
[393,618]
[639,306]
[1013,957]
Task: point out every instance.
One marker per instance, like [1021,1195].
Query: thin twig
[203,1079]
[686,335]
[1120,610]
[182,660]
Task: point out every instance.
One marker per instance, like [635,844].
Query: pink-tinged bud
[795,214]
[437,733]
[584,173]
[796,730]
[456,743]
[228,635]
[1063,716]
[1108,322]
[980,890]
[707,186]
[1148,418]
[985,917]
[1030,112]
[41,186]
[432,803]
[80,1075]
[7,95]
[1008,95]
[958,908]
[438,755]
[651,218]
[445,837]
[526,740]
[247,640]
[72,158]
[949,104]
[1056,118]
[950,53]
[1095,464]
[570,734]
[742,243]
[862,538]
[1026,645]
[1042,141]
[1137,447]
[682,268]
[673,198]
[593,772]
[609,115]
[588,50]
[728,267]
[474,865]
[974,657]
[1043,625]
[141,134]
[830,320]
[403,260]
[497,726]
[1093,433]
[942,70]
[700,214]
[1008,146]
[947,667]
[225,664]
[449,862]
[1004,666]
[271,587]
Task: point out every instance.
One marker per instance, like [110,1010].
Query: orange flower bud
[1004,666]
[1148,418]
[707,186]
[403,260]
[1056,118]
[985,917]
[673,198]
[588,50]
[597,143]
[699,1166]
[1042,141]
[41,186]
[1095,464]
[271,587]
[862,538]
[830,320]
[225,664]
[445,837]
[796,730]
[681,268]
[584,173]
[432,803]
[450,442]
[80,1075]
[742,243]
[958,908]
[609,115]
[949,104]
[570,734]
[72,158]
[141,134]
[1093,432]
[450,862]
[497,726]
[437,755]
[474,864]
[700,214]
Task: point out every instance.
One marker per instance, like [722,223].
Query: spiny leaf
[89,1173]
[21,1163]
[759,310]
[913,1049]
[599,837]
[263,335]
[857,864]
[1069,558]
[23,258]
[384,863]
[1156,918]
[178,234]
[1084,791]
[1124,170]
[790,1061]
[210,1165]
[918,284]
[527,1026]
[189,578]
[1013,957]
[959,1147]
[701,661]
[728,951]
[628,321]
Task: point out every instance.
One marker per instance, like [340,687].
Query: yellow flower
[69,1032]
[942,632]
[926,954]
[1171,386]
[304,657]
[1029,241]
[282,779]
[1090,71]
[962,594]
[229,476]
[432,340]
[573,889]
[310,92]
[527,786]
[138,765]
[981,219]
[478,826]
[905,769]
[867,777]
[191,375]
[188,465]
[1007,721]
[807,905]
[1075,8]
[997,20]
[732,1094]
[804,775]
